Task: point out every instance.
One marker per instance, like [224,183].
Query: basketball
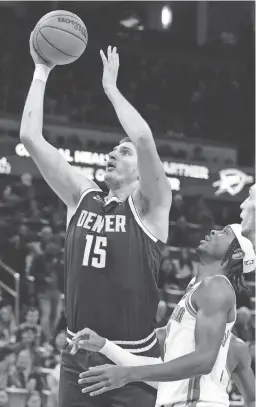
[60,37]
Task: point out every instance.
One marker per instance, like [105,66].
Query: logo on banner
[5,167]
[231,181]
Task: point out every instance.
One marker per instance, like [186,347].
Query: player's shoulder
[217,286]
[238,344]
[239,351]
[215,291]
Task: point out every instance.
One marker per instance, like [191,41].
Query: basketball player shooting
[197,336]
[113,243]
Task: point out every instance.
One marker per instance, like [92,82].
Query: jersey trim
[140,346]
[193,394]
[138,220]
[190,308]
[85,193]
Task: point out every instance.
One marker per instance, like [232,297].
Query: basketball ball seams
[68,32]
[63,16]
[53,46]
[38,48]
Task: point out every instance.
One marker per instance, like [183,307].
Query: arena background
[188,67]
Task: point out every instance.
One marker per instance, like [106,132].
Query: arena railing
[14,293]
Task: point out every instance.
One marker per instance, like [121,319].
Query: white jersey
[180,340]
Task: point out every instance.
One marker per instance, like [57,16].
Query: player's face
[248,213]
[216,244]
[122,167]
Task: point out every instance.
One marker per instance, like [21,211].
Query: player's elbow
[144,135]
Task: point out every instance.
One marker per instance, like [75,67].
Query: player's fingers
[103,57]
[73,349]
[109,53]
[100,391]
[92,379]
[85,333]
[92,371]
[117,61]
[94,387]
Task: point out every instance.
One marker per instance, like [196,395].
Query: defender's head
[122,168]
[248,213]
[234,252]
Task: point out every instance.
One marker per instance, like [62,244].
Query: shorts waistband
[140,346]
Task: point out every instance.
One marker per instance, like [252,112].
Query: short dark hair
[235,267]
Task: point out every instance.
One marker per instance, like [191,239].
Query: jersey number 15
[95,245]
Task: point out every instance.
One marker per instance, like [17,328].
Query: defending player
[113,243]
[240,371]
[248,216]
[197,334]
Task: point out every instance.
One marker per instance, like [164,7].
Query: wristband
[41,72]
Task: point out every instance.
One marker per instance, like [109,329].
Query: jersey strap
[138,220]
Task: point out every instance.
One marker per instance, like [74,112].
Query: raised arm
[154,185]
[58,173]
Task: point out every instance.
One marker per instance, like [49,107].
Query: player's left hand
[110,68]
[101,379]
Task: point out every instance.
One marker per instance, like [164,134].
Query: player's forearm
[187,366]
[122,357]
[32,118]
[133,124]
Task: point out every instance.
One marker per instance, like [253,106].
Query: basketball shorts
[70,394]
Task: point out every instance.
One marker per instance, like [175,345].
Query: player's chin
[202,246]
[110,177]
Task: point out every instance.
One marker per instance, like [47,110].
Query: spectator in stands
[32,320]
[167,273]
[179,235]
[25,376]
[51,356]
[243,327]
[198,211]
[34,400]
[46,236]
[48,272]
[7,323]
[185,268]
[4,367]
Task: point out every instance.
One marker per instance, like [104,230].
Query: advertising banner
[231,184]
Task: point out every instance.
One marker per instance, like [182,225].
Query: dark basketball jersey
[111,267]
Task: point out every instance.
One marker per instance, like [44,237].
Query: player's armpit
[214,298]
[65,181]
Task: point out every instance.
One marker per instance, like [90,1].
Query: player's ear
[238,254]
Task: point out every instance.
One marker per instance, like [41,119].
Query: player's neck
[122,192]
[252,238]
[208,270]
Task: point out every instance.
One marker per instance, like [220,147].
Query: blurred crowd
[179,96]
[32,231]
